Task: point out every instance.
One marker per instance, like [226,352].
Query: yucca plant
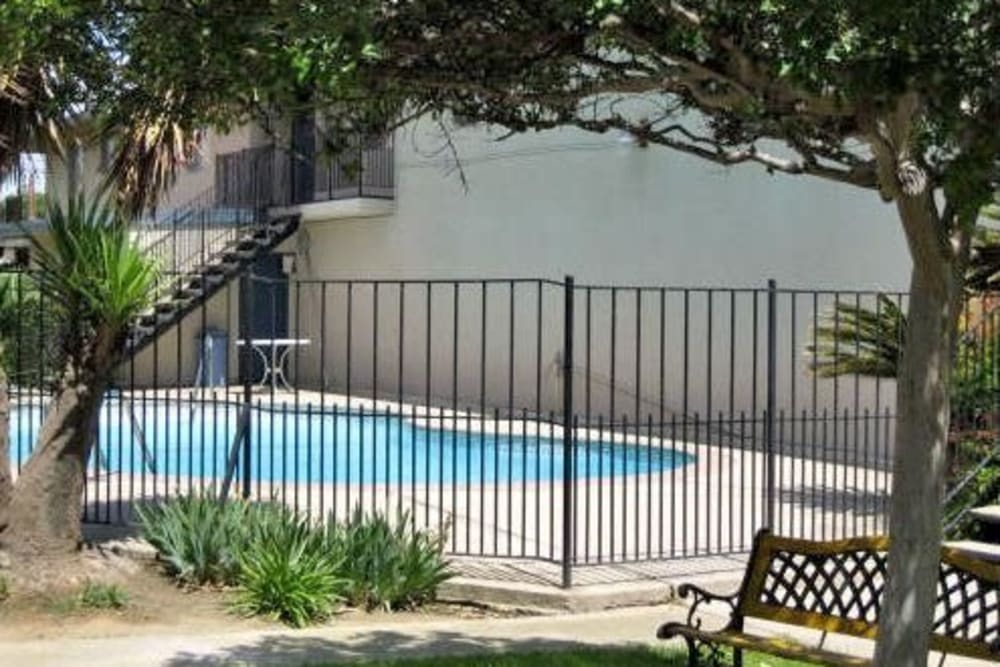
[98,281]
[857,340]
[198,539]
[388,564]
[286,570]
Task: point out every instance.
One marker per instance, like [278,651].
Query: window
[107,154]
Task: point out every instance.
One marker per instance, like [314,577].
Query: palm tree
[856,340]
[97,281]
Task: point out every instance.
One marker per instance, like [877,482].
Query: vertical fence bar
[246,373]
[772,358]
[568,440]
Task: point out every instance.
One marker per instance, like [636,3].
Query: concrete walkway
[354,640]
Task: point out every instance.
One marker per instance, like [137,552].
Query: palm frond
[151,146]
[25,120]
[983,272]
[856,340]
[92,270]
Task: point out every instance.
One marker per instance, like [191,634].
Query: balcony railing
[283,177]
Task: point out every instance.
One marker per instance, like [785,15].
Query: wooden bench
[837,587]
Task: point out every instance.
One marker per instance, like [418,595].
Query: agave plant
[286,569]
[198,538]
[387,563]
[856,340]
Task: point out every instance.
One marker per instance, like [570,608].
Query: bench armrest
[701,596]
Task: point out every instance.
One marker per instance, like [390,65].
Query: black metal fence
[536,419]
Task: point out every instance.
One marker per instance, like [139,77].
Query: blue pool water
[190,439]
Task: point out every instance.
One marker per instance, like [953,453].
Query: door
[266,288]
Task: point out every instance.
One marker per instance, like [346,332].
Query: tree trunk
[919,457]
[6,481]
[44,512]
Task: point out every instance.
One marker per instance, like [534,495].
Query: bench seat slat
[778,646]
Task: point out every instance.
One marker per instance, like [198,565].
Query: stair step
[210,278]
[251,245]
[986,514]
[237,256]
[217,270]
[166,306]
[982,550]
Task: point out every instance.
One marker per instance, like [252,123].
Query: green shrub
[388,564]
[102,596]
[4,588]
[289,569]
[286,570]
[198,538]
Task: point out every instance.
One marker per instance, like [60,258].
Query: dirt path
[347,639]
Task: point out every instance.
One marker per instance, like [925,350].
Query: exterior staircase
[199,249]
[986,544]
[972,517]
[215,237]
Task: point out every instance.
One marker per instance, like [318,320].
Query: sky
[30,163]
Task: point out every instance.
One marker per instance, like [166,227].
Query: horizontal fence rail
[526,418]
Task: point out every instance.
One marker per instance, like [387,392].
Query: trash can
[212,358]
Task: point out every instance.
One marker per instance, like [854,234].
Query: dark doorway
[267,289]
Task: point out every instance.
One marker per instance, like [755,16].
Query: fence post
[246,373]
[569,442]
[772,372]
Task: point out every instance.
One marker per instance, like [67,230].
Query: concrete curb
[548,598]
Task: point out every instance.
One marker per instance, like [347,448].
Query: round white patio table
[274,354]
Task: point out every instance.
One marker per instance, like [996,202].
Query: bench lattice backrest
[837,587]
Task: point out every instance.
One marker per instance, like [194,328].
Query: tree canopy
[723,81]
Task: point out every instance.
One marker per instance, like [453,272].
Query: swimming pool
[312,445]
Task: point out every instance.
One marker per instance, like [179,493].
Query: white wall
[193,179]
[544,205]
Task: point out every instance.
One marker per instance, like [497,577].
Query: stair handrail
[212,223]
[956,519]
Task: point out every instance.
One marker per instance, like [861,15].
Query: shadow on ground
[288,649]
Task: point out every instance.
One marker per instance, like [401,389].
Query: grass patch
[103,596]
[617,657]
[93,596]
[4,588]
